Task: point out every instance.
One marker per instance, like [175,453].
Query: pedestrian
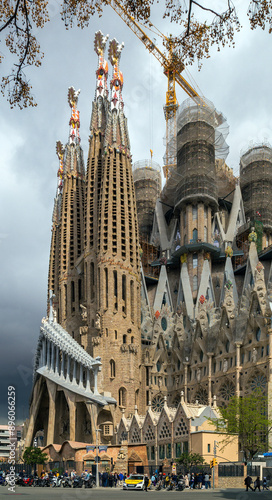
[265,485]
[257,484]
[206,481]
[248,481]
[186,481]
[146,482]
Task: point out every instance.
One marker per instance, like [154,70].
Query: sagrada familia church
[157,298]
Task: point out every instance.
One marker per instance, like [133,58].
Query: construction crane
[172,67]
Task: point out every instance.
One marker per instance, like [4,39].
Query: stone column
[43,352]
[62,364]
[48,355]
[238,369]
[68,368]
[209,354]
[57,361]
[70,398]
[52,412]
[95,372]
[88,384]
[52,367]
[74,381]
[81,376]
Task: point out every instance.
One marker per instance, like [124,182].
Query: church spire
[116,83]
[74,120]
[102,71]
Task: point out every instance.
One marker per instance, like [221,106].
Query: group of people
[257,483]
[108,479]
[201,480]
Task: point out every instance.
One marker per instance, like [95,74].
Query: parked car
[135,482]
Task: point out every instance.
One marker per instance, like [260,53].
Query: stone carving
[96,341]
[83,312]
[225,365]
[98,321]
[254,355]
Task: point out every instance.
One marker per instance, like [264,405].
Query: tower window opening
[92,280]
[194,212]
[124,339]
[124,294]
[112,368]
[122,396]
[115,289]
[115,334]
[79,289]
[132,300]
[195,235]
[106,288]
[72,291]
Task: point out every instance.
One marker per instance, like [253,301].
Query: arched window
[194,283]
[124,339]
[115,334]
[132,340]
[195,235]
[122,396]
[112,368]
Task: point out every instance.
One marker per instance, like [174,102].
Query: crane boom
[172,67]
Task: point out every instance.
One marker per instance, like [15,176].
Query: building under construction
[167,293]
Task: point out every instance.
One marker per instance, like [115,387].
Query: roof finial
[102,71]
[116,83]
[74,120]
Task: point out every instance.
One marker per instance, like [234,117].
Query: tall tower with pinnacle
[68,226]
[94,264]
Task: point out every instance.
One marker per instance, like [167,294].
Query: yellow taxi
[135,482]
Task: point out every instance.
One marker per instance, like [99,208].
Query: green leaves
[189,460]
[248,417]
[34,456]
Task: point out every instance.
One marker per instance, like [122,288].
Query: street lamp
[97,475]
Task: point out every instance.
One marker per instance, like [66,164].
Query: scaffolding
[256,184]
[150,254]
[201,139]
[147,183]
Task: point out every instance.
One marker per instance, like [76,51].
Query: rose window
[258,382]
[227,391]
[201,396]
[157,403]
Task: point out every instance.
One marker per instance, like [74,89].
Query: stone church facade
[151,292]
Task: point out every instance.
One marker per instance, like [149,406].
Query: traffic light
[211,464]
[214,462]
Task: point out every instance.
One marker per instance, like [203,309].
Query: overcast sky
[237,81]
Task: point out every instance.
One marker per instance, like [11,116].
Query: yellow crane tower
[172,68]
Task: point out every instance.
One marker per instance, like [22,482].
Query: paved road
[118,494]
